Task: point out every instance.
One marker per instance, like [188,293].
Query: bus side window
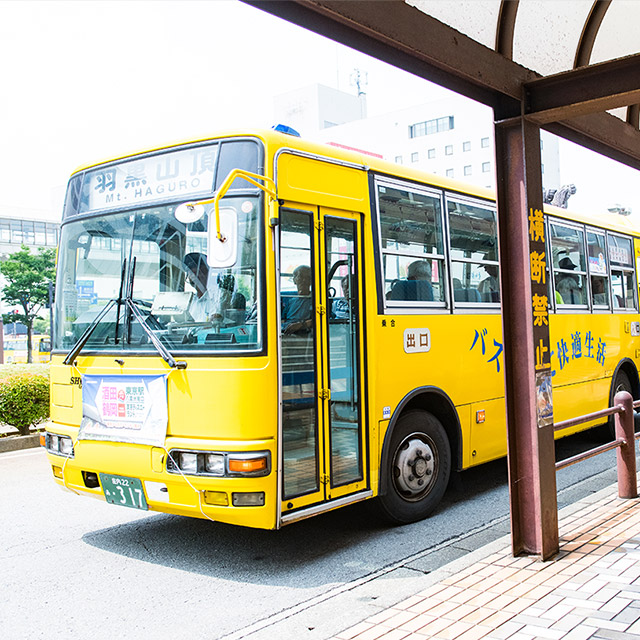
[622,272]
[569,265]
[598,269]
[623,290]
[474,252]
[412,241]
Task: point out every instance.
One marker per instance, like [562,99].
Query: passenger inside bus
[297,307]
[218,304]
[567,284]
[340,306]
[417,286]
[599,290]
[489,288]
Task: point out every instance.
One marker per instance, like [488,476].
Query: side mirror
[223,252]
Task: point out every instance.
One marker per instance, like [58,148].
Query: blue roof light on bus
[283,128]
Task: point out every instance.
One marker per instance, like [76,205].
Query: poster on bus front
[124,409]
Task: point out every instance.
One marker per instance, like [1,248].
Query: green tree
[27,278]
[41,325]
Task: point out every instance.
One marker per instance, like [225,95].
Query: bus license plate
[127,492]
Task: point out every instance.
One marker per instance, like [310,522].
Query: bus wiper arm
[77,347]
[132,309]
[160,348]
[82,340]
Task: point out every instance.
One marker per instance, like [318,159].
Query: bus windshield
[160,264]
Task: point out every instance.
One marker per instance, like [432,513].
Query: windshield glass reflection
[161,265]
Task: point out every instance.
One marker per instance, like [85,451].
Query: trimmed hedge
[24,400]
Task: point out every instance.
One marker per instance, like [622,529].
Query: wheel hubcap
[415,466]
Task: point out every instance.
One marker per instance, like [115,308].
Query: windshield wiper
[130,309]
[160,348]
[128,296]
[119,300]
[77,347]
[133,309]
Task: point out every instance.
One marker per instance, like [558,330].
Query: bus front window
[161,265]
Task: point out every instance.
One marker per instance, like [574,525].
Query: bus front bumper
[150,479]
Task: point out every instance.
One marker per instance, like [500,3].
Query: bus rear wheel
[418,468]
[621,383]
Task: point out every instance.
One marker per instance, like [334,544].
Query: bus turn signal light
[247,465]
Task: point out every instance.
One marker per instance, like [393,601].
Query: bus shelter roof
[572,66]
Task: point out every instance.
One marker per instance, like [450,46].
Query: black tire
[417,468]
[621,383]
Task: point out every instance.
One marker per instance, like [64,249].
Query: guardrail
[625,436]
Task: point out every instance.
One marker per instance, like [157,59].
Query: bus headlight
[58,445]
[214,464]
[65,446]
[220,464]
[188,462]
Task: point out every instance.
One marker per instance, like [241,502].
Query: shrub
[24,400]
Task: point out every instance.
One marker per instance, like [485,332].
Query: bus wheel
[621,383]
[418,468]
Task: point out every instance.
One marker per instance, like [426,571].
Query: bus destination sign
[183,173]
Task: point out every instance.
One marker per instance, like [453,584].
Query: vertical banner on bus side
[124,408]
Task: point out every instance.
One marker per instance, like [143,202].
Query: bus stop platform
[591,589]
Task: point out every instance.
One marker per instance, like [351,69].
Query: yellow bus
[255,329]
[15,348]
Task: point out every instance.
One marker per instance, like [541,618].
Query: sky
[84,81]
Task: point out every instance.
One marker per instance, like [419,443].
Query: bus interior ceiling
[436,42]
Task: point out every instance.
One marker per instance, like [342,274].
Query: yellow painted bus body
[234,404]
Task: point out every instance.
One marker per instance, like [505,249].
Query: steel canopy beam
[586,90]
[603,133]
[405,37]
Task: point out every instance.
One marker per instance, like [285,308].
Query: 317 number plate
[127,492]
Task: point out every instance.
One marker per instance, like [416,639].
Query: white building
[30,227]
[23,226]
[318,107]
[451,137]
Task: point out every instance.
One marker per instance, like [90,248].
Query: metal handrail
[585,455]
[626,460]
[573,422]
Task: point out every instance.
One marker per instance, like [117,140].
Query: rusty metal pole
[525,321]
[626,454]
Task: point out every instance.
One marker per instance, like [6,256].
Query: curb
[16,443]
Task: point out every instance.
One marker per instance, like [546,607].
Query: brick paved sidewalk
[590,590]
